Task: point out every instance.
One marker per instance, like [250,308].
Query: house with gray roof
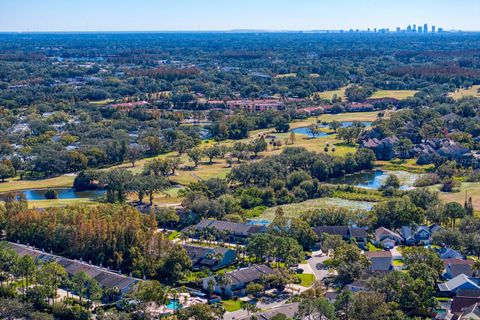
[236,281]
[387,238]
[381,261]
[288,310]
[449,253]
[105,277]
[348,233]
[459,282]
[455,267]
[418,235]
[224,230]
[212,258]
[471,313]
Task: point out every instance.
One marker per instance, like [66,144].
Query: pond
[63,193]
[306,131]
[375,179]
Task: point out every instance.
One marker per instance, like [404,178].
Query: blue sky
[158,15]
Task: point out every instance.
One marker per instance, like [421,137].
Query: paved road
[314,261]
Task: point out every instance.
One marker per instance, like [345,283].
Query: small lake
[375,179]
[345,124]
[63,193]
[306,131]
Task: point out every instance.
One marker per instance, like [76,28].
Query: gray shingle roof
[103,276]
[249,274]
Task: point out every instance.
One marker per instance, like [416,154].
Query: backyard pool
[173,305]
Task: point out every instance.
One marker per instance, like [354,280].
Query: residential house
[236,281]
[449,253]
[213,258]
[105,277]
[455,267]
[255,105]
[459,282]
[387,238]
[384,148]
[224,230]
[288,310]
[464,299]
[416,235]
[357,285]
[312,111]
[360,107]
[471,313]
[346,232]
[381,261]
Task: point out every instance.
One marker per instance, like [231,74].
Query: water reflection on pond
[63,193]
[375,179]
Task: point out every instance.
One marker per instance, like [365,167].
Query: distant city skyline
[221,15]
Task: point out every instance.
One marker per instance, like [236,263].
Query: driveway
[242,314]
[316,260]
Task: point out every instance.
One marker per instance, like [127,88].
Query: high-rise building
[433,29]
[425,28]
[419,29]
[398,29]
[440,30]
[409,28]
[414,29]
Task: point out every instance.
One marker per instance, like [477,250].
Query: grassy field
[102,102]
[405,165]
[232,305]
[60,202]
[396,94]
[472,92]
[296,209]
[15,184]
[469,189]
[306,279]
[219,168]
[328,95]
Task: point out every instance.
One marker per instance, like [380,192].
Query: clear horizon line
[350,30]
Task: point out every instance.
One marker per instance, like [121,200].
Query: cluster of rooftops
[105,277]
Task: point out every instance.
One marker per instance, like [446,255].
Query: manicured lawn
[232,305]
[396,94]
[174,235]
[372,247]
[15,184]
[398,263]
[328,95]
[306,278]
[472,92]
